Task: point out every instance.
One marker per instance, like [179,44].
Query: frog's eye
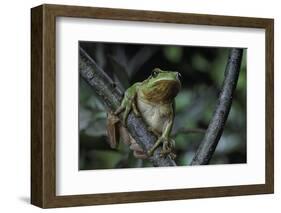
[154,74]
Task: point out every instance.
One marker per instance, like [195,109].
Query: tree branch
[188,131]
[111,96]
[217,123]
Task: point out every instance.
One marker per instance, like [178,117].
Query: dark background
[202,70]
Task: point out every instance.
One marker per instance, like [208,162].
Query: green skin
[153,100]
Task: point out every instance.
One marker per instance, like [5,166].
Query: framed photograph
[135,106]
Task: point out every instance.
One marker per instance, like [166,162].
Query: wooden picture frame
[43,105]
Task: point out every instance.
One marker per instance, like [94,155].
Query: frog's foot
[173,155]
[138,151]
[168,145]
[167,149]
[157,143]
[170,153]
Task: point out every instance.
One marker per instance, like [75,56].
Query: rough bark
[111,96]
[215,129]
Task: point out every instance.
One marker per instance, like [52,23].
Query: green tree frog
[153,100]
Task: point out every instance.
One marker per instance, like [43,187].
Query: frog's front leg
[128,103]
[168,143]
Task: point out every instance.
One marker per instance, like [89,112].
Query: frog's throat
[163,92]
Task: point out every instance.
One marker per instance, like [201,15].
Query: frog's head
[161,86]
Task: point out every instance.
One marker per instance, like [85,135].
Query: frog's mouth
[163,91]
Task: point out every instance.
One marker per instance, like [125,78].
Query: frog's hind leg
[129,140]
[125,136]
[112,127]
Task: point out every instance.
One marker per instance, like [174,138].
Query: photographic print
[174,90]
[156,101]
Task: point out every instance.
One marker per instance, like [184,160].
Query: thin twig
[111,96]
[208,145]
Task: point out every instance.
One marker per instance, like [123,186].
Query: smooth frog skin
[153,100]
